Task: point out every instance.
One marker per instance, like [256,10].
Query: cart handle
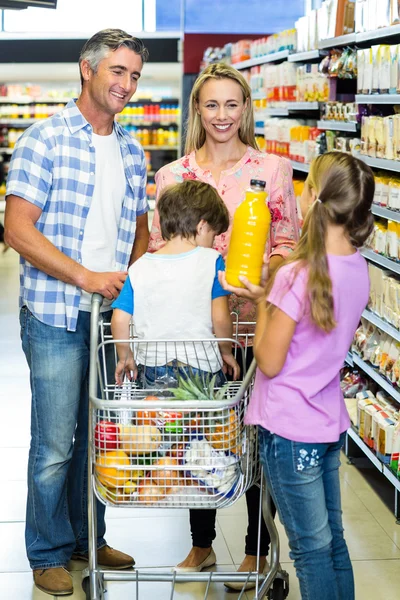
[97,301]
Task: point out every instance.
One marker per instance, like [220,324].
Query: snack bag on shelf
[368,72]
[384,62]
[394,72]
[364,134]
[371,137]
[383,356]
[388,127]
[391,240]
[375,69]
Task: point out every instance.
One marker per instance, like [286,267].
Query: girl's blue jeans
[303,480]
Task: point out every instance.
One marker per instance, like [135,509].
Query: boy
[174,294]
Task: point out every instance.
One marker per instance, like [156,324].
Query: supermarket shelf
[391,265]
[342,40]
[381,324]
[258,95]
[153,147]
[31,100]
[276,112]
[349,359]
[380,163]
[293,106]
[385,213]
[306,56]
[379,34]
[19,122]
[6,150]
[259,130]
[374,459]
[338,126]
[367,451]
[262,60]
[381,381]
[378,98]
[298,166]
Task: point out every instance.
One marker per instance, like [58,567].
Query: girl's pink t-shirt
[232,185]
[304,402]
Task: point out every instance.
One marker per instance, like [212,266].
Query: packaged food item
[394,68]
[361,56]
[384,437]
[395,456]
[391,240]
[384,65]
[368,72]
[370,411]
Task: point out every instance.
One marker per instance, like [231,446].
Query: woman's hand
[230,365]
[255,293]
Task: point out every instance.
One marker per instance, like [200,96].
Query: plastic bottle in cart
[251,224]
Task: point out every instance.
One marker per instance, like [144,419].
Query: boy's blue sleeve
[125,300]
[217,289]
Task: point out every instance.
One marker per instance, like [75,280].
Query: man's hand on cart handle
[108,284]
[126,367]
[255,293]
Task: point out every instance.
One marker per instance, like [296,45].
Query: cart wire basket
[171,435]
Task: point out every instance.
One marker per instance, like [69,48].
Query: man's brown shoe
[56,582]
[109,558]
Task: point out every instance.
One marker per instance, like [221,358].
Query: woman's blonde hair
[344,188]
[196,135]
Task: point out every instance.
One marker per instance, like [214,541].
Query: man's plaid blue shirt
[53,166]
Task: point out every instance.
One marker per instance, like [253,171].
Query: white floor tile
[13,501]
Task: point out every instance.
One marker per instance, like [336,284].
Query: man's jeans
[56,518]
[304,482]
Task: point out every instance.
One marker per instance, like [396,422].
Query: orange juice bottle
[251,223]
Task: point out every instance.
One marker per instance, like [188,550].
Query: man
[76,212]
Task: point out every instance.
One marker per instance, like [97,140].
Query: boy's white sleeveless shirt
[172,301]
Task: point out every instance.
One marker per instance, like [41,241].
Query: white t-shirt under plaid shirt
[53,167]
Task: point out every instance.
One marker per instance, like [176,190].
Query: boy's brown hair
[182,206]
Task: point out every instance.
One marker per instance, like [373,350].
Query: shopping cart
[173,437]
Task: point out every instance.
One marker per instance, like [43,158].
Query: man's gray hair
[103,41]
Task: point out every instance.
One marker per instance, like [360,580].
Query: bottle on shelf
[251,224]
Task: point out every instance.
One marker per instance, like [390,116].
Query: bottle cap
[258,183]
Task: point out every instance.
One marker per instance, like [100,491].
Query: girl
[303,333]
[221,150]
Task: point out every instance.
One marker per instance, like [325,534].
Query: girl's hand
[125,367]
[255,293]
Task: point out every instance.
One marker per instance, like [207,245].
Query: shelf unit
[31,100]
[257,95]
[19,122]
[378,98]
[308,56]
[371,317]
[276,112]
[342,40]
[382,468]
[301,106]
[338,126]
[262,60]
[377,377]
[384,262]
[153,147]
[259,130]
[298,166]
[380,163]
[385,213]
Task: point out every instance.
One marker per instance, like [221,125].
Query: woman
[221,150]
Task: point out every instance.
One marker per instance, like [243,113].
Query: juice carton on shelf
[384,443]
[384,66]
[364,399]
[368,436]
[361,57]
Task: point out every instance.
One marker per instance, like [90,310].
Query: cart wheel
[279,590]
[86,587]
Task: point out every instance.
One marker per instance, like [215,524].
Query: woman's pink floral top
[233,183]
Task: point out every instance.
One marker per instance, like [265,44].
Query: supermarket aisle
[155,537]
